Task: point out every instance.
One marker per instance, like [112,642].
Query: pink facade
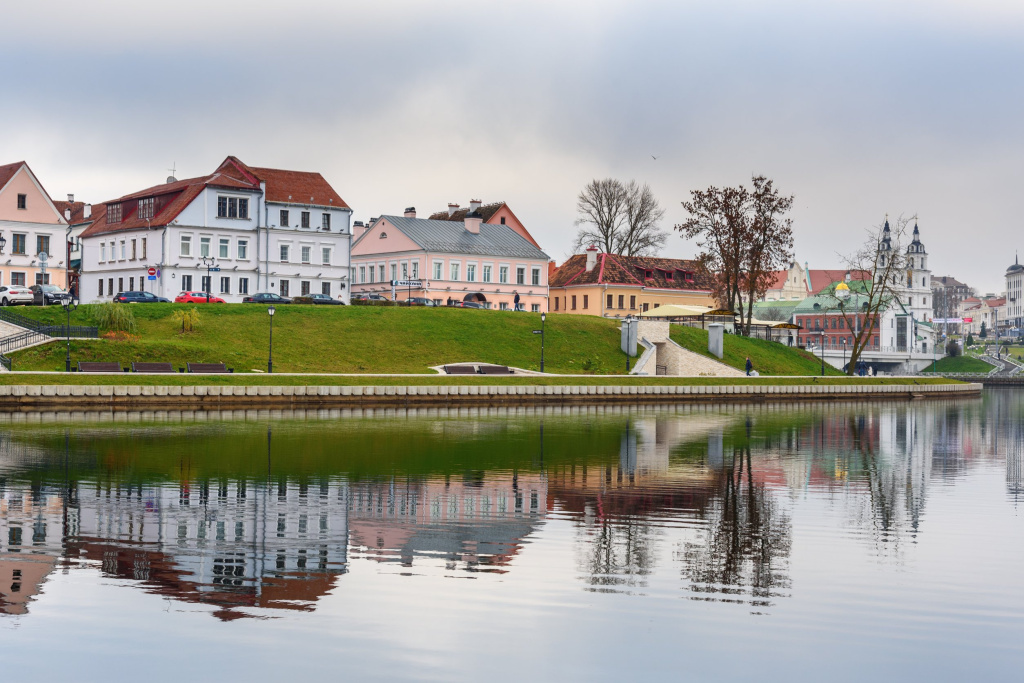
[385,253]
[30,224]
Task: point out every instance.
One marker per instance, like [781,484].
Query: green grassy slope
[343,339]
[960,364]
[769,358]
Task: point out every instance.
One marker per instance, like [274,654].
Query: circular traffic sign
[151,271]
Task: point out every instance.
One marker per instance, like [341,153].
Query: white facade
[254,253]
[1014,309]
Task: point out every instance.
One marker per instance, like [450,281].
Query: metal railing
[21,340]
[50,330]
[5,361]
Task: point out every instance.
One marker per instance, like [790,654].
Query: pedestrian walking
[750,366]
[516,301]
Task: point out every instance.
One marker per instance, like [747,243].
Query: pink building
[481,254]
[31,225]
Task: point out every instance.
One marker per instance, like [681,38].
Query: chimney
[474,204]
[71,198]
[410,212]
[591,257]
[452,208]
[472,223]
[87,211]
[358,229]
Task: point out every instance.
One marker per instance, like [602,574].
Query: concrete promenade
[69,397]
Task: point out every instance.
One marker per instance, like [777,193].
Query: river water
[872,541]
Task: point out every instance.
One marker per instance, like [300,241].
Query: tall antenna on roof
[172,169]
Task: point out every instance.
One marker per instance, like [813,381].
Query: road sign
[537,332]
[151,277]
[406,283]
[968,320]
[151,272]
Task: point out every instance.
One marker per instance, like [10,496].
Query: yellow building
[615,286]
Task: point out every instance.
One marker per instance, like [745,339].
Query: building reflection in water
[709,492]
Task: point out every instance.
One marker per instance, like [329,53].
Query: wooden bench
[208,367]
[460,369]
[98,366]
[495,370]
[152,367]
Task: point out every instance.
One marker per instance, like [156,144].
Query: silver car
[15,294]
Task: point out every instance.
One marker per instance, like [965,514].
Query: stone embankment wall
[76,397]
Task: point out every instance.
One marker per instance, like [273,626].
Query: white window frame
[362,274]
[305,253]
[243,285]
[285,252]
[185,245]
[438,270]
[520,270]
[503,273]
[325,255]
[415,263]
[486,272]
[205,242]
[535,277]
[470,272]
[454,270]
[242,250]
[394,270]
[223,247]
[103,252]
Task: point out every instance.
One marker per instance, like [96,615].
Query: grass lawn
[960,364]
[365,339]
[769,358]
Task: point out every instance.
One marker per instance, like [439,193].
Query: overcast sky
[859,108]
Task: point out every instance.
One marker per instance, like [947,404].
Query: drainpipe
[163,259]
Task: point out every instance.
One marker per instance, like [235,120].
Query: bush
[302,300]
[952,349]
[970,340]
[116,317]
[371,302]
[189,319]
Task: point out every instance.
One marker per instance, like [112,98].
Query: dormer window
[114,213]
[668,274]
[146,208]
[233,207]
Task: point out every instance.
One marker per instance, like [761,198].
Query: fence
[50,330]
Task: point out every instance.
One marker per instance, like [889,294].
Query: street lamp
[628,322]
[845,369]
[68,307]
[3,243]
[543,317]
[821,348]
[270,355]
[209,262]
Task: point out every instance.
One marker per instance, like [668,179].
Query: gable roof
[486,211]
[615,269]
[307,188]
[452,237]
[7,172]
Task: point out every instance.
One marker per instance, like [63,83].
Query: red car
[197,298]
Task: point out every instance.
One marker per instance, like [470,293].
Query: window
[503,306]
[305,219]
[454,272]
[503,275]
[609,303]
[362,273]
[520,276]
[120,284]
[225,245]
[535,276]
[110,286]
[100,282]
[325,255]
[632,303]
[574,302]
[232,207]
[143,248]
[503,220]
[204,246]
[204,283]
[243,249]
[186,245]
[225,285]
[305,252]
[19,243]
[124,250]
[556,303]
[284,218]
[437,269]
[325,288]
[18,279]
[284,253]
[325,221]
[131,283]
[42,279]
[487,274]
[103,253]
[284,288]
[304,287]
[621,301]
[586,297]
[22,201]
[243,285]
[394,271]
[134,250]
[380,271]
[146,208]
[534,308]
[470,272]
[415,270]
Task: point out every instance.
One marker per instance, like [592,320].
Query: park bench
[460,369]
[495,370]
[152,367]
[98,366]
[208,367]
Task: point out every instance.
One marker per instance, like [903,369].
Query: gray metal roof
[452,236]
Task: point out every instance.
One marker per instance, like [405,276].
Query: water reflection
[254,513]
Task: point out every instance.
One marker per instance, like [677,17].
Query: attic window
[383,236]
[503,220]
[23,201]
[668,274]
[146,208]
[114,213]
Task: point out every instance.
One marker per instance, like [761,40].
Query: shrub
[116,317]
[952,349]
[970,340]
[302,300]
[189,319]
[371,302]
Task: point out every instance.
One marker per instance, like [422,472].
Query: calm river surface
[880,541]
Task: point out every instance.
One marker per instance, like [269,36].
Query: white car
[15,294]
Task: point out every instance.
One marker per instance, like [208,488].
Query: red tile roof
[295,187]
[7,171]
[613,269]
[820,279]
[780,279]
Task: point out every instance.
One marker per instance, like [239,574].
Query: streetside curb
[64,397]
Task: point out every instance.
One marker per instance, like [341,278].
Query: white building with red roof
[266,230]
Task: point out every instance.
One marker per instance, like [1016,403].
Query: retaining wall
[67,397]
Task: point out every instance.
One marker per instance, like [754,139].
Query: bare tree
[718,221]
[882,262]
[769,242]
[619,218]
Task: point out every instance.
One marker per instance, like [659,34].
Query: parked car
[139,298]
[45,295]
[11,295]
[468,304]
[197,298]
[266,298]
[370,297]
[418,301]
[324,299]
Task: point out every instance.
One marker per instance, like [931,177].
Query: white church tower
[918,295]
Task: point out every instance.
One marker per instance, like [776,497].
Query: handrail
[17,341]
[49,330]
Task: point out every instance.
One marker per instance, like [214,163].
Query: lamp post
[821,346]
[270,355]
[209,262]
[845,369]
[68,307]
[543,317]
